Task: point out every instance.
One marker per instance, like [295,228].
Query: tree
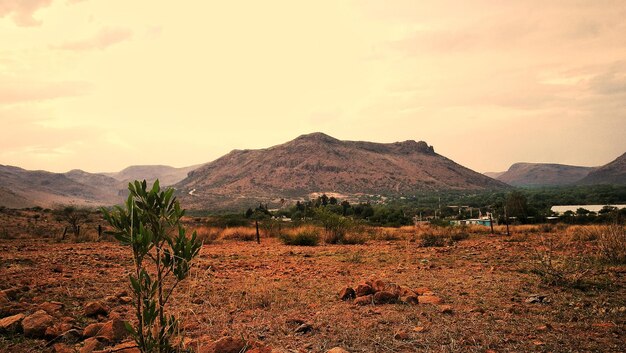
[517,205]
[74,217]
[150,224]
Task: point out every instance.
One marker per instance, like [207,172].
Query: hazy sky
[103,84]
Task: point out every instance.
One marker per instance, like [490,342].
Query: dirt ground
[264,292]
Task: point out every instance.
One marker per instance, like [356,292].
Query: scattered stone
[537,299]
[419,329]
[304,328]
[410,299]
[364,300]
[11,323]
[12,293]
[71,336]
[62,348]
[401,336]
[35,325]
[114,330]
[126,300]
[51,307]
[430,299]
[57,269]
[422,290]
[92,344]
[446,309]
[4,298]
[347,293]
[126,347]
[385,297]
[337,350]
[364,289]
[95,309]
[226,344]
[407,292]
[93,329]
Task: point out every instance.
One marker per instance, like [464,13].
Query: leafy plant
[150,224]
[305,237]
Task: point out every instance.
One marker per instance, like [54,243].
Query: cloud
[22,11]
[100,41]
[19,90]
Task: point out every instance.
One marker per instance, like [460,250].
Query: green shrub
[146,225]
[431,239]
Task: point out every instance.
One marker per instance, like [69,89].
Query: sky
[100,85]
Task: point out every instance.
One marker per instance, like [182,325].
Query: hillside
[24,188]
[320,163]
[611,173]
[543,174]
[167,175]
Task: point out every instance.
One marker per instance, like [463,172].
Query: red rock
[446,309]
[93,329]
[226,344]
[422,290]
[126,347]
[379,285]
[11,293]
[385,297]
[410,299]
[91,344]
[95,309]
[364,300]
[114,330]
[347,293]
[11,323]
[51,307]
[429,299]
[401,336]
[62,348]
[337,350]
[406,292]
[364,289]
[35,325]
[4,298]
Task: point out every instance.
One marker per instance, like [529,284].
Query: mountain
[167,175]
[493,175]
[543,174]
[25,188]
[611,173]
[316,163]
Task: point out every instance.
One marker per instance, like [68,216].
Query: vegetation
[307,236]
[146,224]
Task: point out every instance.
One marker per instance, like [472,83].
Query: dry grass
[238,233]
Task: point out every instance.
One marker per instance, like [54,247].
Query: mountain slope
[320,163]
[611,173]
[25,188]
[543,174]
[167,175]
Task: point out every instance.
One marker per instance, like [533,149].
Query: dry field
[499,297]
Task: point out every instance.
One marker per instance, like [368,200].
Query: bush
[612,244]
[302,237]
[239,233]
[432,239]
[557,266]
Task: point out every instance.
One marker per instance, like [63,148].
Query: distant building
[472,221]
[593,208]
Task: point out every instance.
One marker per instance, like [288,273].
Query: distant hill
[25,188]
[543,174]
[611,173]
[493,175]
[167,175]
[316,163]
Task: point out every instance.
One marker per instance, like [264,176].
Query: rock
[407,292]
[95,309]
[35,325]
[401,336]
[364,300]
[419,329]
[537,299]
[337,350]
[446,309]
[347,293]
[410,299]
[71,336]
[304,328]
[226,344]
[58,329]
[92,344]
[4,298]
[51,307]
[11,293]
[385,297]
[11,323]
[379,285]
[62,348]
[57,269]
[422,290]
[125,300]
[364,289]
[126,347]
[429,299]
[93,329]
[114,330]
